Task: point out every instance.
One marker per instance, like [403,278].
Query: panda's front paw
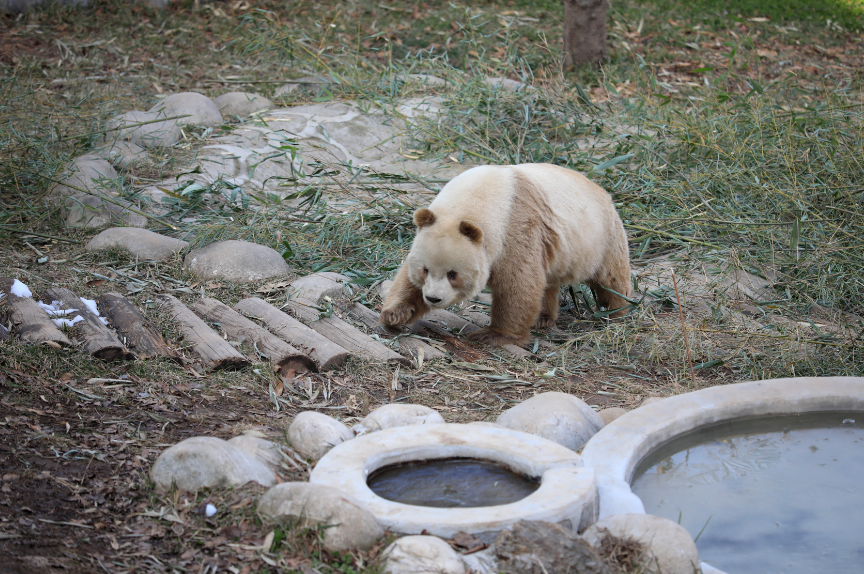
[397,315]
[489,336]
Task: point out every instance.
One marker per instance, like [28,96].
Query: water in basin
[451,483]
[776,495]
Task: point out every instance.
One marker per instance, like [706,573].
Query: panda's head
[447,259]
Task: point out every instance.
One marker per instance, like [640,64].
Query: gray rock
[208,462]
[530,547]
[422,555]
[242,104]
[144,129]
[85,210]
[88,174]
[263,450]
[122,153]
[313,85]
[236,261]
[313,434]
[427,80]
[349,525]
[199,109]
[397,415]
[507,84]
[316,286]
[559,417]
[612,413]
[148,246]
[671,548]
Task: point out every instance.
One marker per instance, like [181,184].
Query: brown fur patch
[529,197]
[471,231]
[423,217]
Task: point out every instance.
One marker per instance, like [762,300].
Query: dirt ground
[78,437]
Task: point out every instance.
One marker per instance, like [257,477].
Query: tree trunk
[584,32]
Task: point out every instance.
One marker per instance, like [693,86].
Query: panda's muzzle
[432,300]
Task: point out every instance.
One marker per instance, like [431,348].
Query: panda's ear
[471,231]
[423,217]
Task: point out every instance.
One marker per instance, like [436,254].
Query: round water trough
[566,494]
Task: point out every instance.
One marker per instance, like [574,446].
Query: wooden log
[459,325]
[214,351]
[97,338]
[323,351]
[140,336]
[342,333]
[29,320]
[283,357]
[479,319]
[412,345]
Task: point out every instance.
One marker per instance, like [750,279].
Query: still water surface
[779,495]
[451,483]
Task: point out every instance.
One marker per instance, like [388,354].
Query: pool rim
[567,491]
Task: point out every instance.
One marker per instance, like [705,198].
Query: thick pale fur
[525,230]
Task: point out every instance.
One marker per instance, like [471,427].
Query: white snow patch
[20,289]
[91,304]
[54,309]
[210,510]
[66,322]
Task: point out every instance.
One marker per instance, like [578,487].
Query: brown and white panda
[525,230]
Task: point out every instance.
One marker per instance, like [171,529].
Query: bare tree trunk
[584,32]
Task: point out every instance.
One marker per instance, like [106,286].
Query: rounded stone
[147,245]
[347,524]
[422,555]
[396,415]
[208,462]
[242,104]
[313,434]
[316,286]
[263,450]
[610,414]
[310,84]
[507,84]
[122,153]
[236,261]
[198,109]
[88,174]
[86,210]
[144,129]
[558,417]
[670,546]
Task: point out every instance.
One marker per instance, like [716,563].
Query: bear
[525,230]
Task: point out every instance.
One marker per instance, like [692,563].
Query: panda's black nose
[433,300]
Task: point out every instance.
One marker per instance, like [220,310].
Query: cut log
[342,333]
[412,345]
[324,352]
[29,320]
[283,357]
[479,319]
[98,340]
[214,351]
[458,325]
[141,337]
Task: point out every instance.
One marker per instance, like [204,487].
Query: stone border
[567,491]
[616,451]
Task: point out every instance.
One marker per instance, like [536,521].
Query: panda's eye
[425,271]
[451,275]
